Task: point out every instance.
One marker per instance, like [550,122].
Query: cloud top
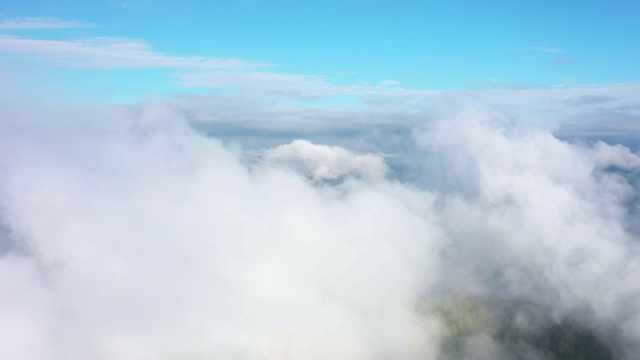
[129,235]
[322,162]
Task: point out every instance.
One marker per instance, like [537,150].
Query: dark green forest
[520,329]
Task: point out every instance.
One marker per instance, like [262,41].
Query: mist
[137,232]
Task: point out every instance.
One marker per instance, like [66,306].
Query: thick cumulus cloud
[541,220]
[146,240]
[127,234]
[535,186]
[322,162]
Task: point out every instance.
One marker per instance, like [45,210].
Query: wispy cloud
[343,72]
[296,86]
[547,49]
[291,86]
[270,113]
[29,23]
[389,83]
[252,79]
[112,53]
[563,61]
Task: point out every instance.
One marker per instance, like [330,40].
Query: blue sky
[434,45]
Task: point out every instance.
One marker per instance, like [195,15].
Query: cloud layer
[127,234]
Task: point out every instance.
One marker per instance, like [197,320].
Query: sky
[151,47]
[259,180]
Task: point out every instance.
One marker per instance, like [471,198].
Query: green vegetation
[568,341]
[516,327]
[462,318]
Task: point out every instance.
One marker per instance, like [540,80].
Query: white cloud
[323,162]
[273,107]
[148,240]
[112,53]
[278,85]
[617,155]
[153,242]
[29,23]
